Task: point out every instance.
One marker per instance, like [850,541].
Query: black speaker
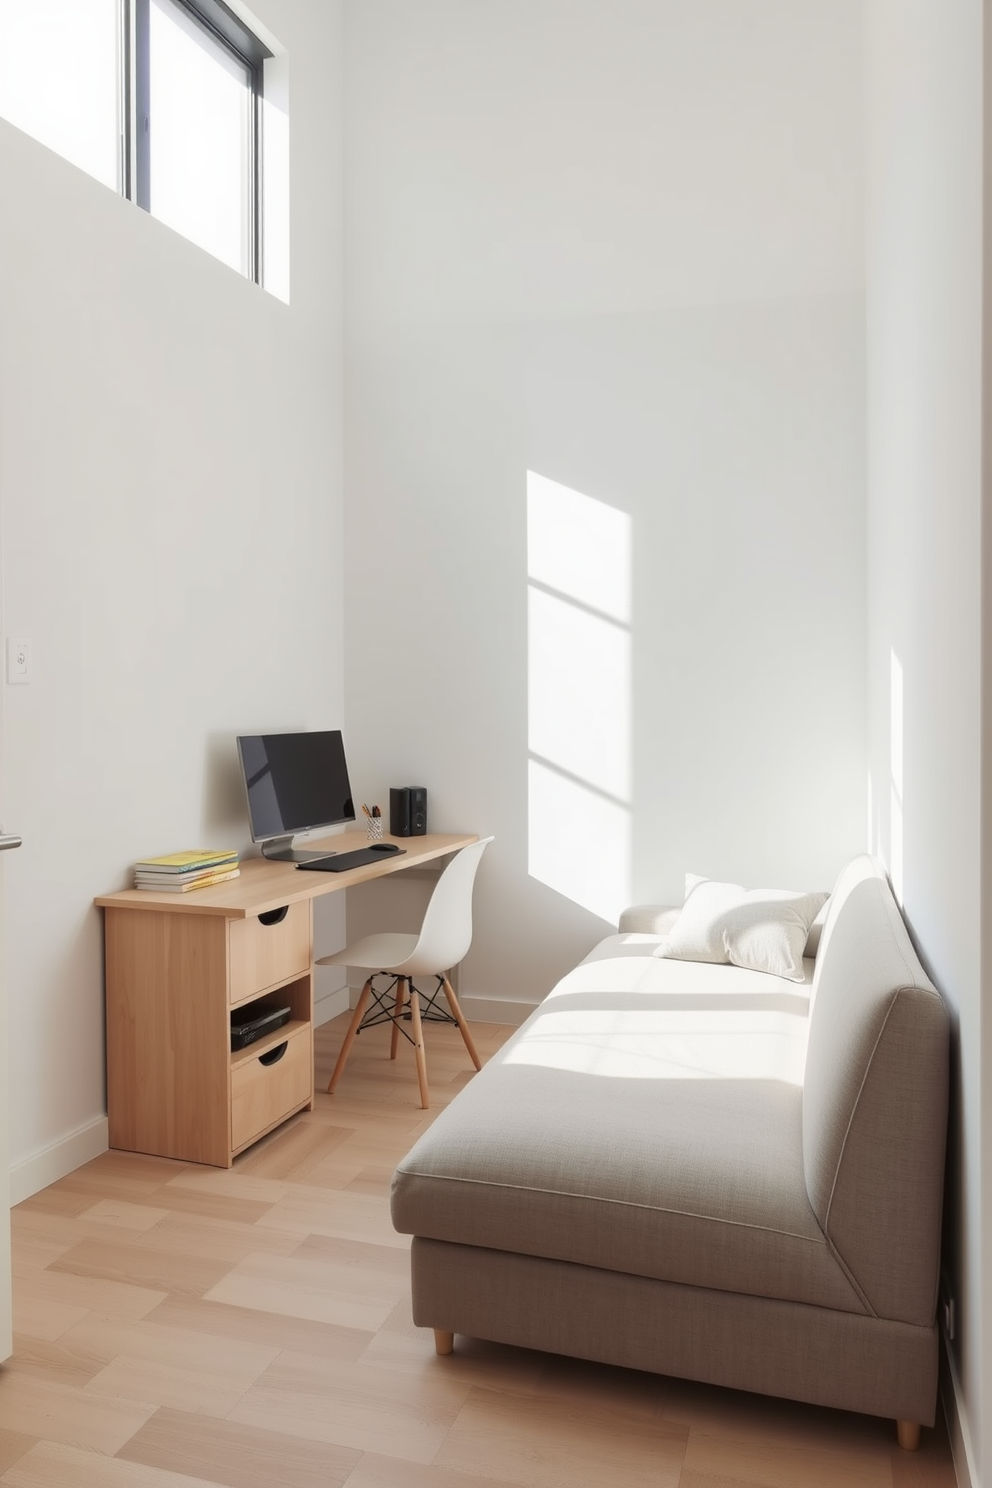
[418,810]
[399,811]
[408,810]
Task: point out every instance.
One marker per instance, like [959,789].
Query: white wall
[619,246]
[925,304]
[170,477]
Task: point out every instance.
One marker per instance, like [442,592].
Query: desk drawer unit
[268,1087]
[177,965]
[174,1088]
[268,948]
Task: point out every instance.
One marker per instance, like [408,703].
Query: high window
[60,79]
[164,101]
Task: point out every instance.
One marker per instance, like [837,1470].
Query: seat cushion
[647,1119]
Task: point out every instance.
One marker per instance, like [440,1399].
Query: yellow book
[186,885]
[188,862]
[156,875]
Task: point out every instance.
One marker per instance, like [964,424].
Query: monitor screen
[295,782]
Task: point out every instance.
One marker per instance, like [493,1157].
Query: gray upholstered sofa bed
[706,1171]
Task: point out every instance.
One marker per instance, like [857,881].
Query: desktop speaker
[399,811]
[408,811]
[418,810]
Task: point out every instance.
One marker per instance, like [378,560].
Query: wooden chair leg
[349,1037]
[418,1045]
[444,1342]
[908,1434]
[397,1011]
[459,1018]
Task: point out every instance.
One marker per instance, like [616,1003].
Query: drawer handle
[273,916]
[274,1055]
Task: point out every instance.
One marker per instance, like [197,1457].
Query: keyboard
[341,862]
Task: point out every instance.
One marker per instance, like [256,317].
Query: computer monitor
[294,783]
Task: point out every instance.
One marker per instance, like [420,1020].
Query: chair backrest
[446,933]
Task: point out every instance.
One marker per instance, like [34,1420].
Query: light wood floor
[179,1326]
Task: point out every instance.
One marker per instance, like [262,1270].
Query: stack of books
[177,873]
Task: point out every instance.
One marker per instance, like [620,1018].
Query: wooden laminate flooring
[179,1326]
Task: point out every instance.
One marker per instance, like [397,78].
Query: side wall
[604,451]
[925,494]
[170,477]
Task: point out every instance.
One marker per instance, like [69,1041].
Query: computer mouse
[383,847]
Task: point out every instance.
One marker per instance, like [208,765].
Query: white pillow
[761,929]
[816,929]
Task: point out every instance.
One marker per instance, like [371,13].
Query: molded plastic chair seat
[386,952]
[444,939]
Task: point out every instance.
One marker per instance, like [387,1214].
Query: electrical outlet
[18,661]
[947,1308]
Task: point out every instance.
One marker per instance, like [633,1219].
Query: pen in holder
[373,824]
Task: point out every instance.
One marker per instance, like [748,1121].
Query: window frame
[225,30]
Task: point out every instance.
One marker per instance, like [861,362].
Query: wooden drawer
[262,1095]
[265,950]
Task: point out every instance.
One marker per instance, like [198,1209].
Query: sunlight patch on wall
[579,547]
[579,842]
[579,696]
[579,692]
[59,79]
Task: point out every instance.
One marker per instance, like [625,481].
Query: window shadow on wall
[579,696]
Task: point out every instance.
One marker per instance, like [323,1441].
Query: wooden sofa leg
[908,1433]
[444,1342]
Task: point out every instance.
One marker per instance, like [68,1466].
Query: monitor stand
[281,850]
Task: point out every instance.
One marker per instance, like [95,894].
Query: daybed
[705,1170]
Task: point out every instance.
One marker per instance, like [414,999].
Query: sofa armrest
[648,919]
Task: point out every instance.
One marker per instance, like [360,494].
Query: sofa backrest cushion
[875,1099]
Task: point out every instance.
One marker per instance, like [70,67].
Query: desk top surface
[264,885]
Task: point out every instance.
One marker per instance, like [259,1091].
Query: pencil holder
[373,828]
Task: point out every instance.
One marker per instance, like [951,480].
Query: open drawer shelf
[267,1043]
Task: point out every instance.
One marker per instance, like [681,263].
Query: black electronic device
[294,783]
[408,811]
[418,810]
[399,811]
[342,862]
[248,1025]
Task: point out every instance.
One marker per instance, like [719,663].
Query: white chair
[444,939]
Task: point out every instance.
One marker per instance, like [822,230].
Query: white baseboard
[952,1396]
[338,1001]
[496,1009]
[48,1166]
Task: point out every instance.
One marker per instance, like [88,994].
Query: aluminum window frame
[226,31]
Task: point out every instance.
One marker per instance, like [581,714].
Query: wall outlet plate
[18,660]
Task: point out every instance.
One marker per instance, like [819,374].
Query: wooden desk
[177,964]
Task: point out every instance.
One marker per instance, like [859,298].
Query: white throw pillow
[816,929]
[761,929]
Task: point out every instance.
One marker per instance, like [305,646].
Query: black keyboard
[341,862]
